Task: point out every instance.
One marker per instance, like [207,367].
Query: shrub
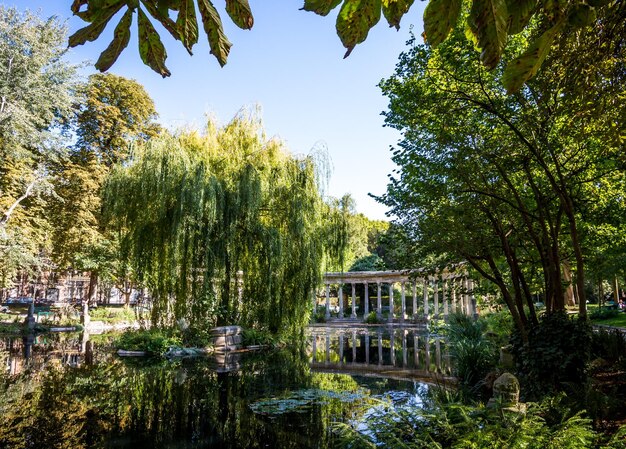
[556,353]
[603,314]
[257,337]
[153,341]
[372,318]
[609,344]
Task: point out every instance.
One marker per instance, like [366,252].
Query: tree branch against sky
[490,22]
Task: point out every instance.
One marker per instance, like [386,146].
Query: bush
[153,341]
[257,337]
[372,318]
[609,344]
[603,314]
[556,354]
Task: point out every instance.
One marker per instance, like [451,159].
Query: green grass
[616,321]
[113,315]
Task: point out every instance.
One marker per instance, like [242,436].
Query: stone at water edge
[506,394]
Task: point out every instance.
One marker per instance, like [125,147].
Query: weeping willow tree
[225,226]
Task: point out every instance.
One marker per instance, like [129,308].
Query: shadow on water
[71,391]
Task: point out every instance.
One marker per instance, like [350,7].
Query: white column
[353,314]
[416,351]
[340,293]
[390,301]
[425,291]
[379,304]
[462,298]
[367,300]
[403,301]
[392,350]
[438,354]
[327,357]
[444,297]
[474,312]
[380,347]
[354,346]
[341,348]
[327,301]
[436,311]
[414,300]
[453,288]
[404,350]
[468,305]
[367,349]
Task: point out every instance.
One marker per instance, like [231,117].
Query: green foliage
[604,314]
[113,315]
[154,341]
[225,227]
[450,424]
[491,23]
[257,337]
[608,344]
[474,354]
[556,354]
[372,318]
[368,263]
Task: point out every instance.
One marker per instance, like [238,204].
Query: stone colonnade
[433,296]
[399,348]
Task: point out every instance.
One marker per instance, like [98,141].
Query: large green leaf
[121,36]
[354,21]
[151,48]
[240,13]
[525,66]
[220,46]
[520,12]
[440,17]
[393,10]
[187,24]
[488,20]
[321,7]
[99,21]
[162,15]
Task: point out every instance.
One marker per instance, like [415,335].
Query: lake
[72,391]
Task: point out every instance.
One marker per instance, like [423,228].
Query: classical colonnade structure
[433,295]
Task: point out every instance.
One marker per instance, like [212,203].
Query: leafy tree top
[490,22]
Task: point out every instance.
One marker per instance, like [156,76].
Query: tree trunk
[92,292]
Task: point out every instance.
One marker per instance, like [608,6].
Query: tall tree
[502,180]
[112,114]
[36,93]
[225,226]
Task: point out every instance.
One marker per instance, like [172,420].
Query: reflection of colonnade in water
[381,350]
[432,295]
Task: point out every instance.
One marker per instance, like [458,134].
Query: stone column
[416,351]
[327,357]
[340,293]
[327,301]
[403,301]
[427,353]
[380,347]
[453,288]
[438,354]
[379,304]
[354,346]
[463,307]
[404,350]
[414,300]
[353,314]
[444,297]
[436,284]
[341,348]
[367,349]
[392,351]
[314,350]
[474,311]
[391,302]
[425,291]
[367,301]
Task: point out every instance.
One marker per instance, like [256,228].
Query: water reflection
[387,351]
[71,391]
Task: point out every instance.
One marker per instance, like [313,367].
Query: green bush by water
[153,341]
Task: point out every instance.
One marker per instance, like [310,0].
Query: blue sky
[291,64]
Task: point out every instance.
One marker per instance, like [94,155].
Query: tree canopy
[224,225]
[510,183]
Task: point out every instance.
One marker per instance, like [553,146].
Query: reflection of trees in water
[147,406]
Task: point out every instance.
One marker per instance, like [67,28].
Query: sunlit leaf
[393,10]
[354,21]
[163,18]
[220,46]
[94,29]
[520,12]
[151,48]
[321,7]
[187,24]
[240,13]
[488,22]
[121,36]
[440,17]
[525,66]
